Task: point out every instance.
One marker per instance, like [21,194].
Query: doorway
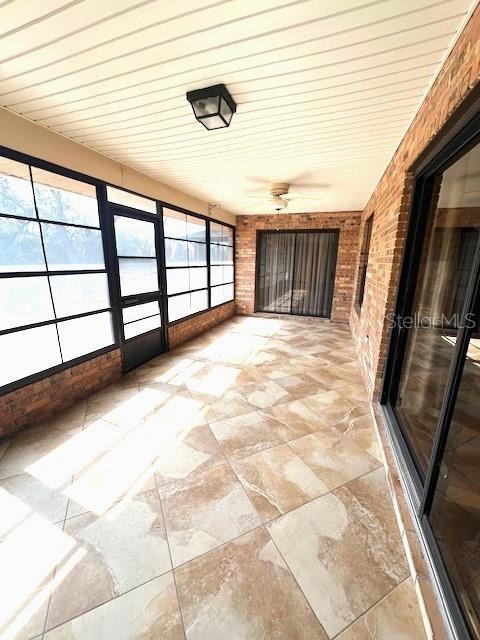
[296,272]
[140,299]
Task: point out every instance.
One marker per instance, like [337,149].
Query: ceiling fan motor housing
[279,189]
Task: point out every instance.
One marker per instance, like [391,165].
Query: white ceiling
[325,90]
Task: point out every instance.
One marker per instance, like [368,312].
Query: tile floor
[229,489]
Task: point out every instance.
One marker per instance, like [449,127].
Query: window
[221,264]
[53,282]
[363,266]
[186,263]
[127,199]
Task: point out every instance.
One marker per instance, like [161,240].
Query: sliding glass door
[296,271]
[432,383]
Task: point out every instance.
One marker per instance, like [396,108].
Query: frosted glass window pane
[197,254]
[216,294]
[72,247]
[79,293]
[227,236]
[27,352]
[196,229]
[178,307]
[216,254]
[135,237]
[177,280]
[131,200]
[141,326]
[84,335]
[228,273]
[20,246]
[221,294]
[24,301]
[216,275]
[198,278]
[63,199]
[174,224]
[140,311]
[137,275]
[216,232]
[16,194]
[229,292]
[227,255]
[198,301]
[176,254]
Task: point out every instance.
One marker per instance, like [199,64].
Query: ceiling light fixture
[213,106]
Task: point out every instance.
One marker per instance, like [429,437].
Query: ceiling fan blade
[311,185]
[298,196]
[257,180]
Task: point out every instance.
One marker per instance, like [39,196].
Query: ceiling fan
[279,194]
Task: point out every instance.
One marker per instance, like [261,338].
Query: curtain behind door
[295,273]
[315,257]
[274,285]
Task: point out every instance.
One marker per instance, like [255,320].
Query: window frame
[420,491]
[109,261]
[208,220]
[223,264]
[363,262]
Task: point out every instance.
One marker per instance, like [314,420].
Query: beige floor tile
[113,553]
[28,556]
[295,419]
[359,428]
[246,434]
[193,451]
[230,405]
[214,380]
[368,498]
[126,407]
[277,480]
[204,512]
[244,590]
[149,611]
[342,569]
[396,617]
[261,395]
[25,494]
[334,408]
[325,376]
[333,456]
[69,419]
[299,385]
[32,446]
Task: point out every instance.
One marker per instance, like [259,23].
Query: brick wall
[179,333]
[35,402]
[455,86]
[246,238]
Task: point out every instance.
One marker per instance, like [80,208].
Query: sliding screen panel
[275,272]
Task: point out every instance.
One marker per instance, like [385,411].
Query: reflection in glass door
[432,386]
[136,242]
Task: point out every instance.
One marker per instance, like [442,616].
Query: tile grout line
[264,524]
[170,556]
[101,604]
[384,597]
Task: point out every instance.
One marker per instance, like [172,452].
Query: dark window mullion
[46,264]
[55,321]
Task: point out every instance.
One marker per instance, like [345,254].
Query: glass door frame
[419,491]
[335,231]
[118,301]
